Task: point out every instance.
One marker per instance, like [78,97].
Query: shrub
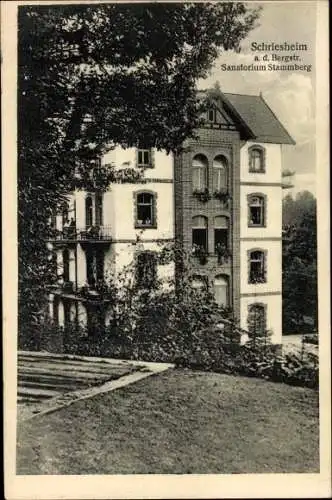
[311,339]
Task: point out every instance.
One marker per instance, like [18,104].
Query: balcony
[88,234]
[98,292]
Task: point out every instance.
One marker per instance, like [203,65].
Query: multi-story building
[221,198]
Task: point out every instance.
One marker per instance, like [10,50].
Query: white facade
[124,235]
[263,237]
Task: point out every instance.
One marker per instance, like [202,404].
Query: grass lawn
[178,422]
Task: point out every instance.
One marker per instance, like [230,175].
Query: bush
[256,361]
[311,339]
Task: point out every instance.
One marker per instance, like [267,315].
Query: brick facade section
[211,142]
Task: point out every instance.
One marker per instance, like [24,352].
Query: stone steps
[37,393]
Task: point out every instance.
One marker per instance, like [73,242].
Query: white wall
[125,253]
[273,313]
[273,212]
[273,247]
[123,206]
[273,266]
[126,158]
[272,163]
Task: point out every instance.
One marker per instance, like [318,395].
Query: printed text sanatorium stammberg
[265,67]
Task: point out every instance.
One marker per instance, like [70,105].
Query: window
[199,172]
[95,320]
[94,267]
[256,159]
[65,258]
[53,221]
[221,290]
[199,232]
[212,115]
[146,270]
[198,283]
[66,312]
[220,174]
[88,212]
[99,209]
[257,265]
[257,319]
[220,233]
[145,206]
[144,158]
[65,214]
[256,210]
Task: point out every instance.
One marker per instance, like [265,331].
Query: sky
[291,95]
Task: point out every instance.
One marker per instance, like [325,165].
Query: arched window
[99,209]
[220,174]
[198,283]
[211,115]
[145,210]
[257,266]
[256,210]
[221,290]
[94,266]
[199,232]
[257,319]
[199,172]
[65,214]
[220,232]
[88,212]
[256,159]
[65,258]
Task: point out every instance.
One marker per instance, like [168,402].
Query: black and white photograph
[163,220]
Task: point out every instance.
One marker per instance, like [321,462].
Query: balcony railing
[86,233]
[97,291]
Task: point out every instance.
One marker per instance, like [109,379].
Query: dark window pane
[88,212]
[211,115]
[65,256]
[145,209]
[99,210]
[200,238]
[220,238]
[90,268]
[256,216]
[257,320]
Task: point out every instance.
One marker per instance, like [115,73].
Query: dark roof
[259,118]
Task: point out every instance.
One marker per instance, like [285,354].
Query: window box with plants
[202,195]
[222,195]
[200,253]
[255,278]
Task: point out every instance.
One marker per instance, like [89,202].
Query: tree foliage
[299,262]
[91,76]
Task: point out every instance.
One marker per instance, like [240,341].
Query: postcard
[166,242]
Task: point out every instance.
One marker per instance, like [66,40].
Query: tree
[91,76]
[299,262]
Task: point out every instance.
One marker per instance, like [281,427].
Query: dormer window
[144,158]
[212,115]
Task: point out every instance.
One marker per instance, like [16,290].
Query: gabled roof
[259,118]
[253,116]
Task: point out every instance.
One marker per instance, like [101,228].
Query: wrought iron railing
[94,233]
